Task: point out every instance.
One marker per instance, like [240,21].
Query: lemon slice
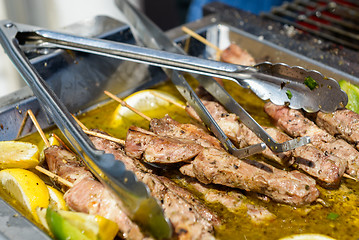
[307,236]
[26,188]
[57,201]
[16,154]
[65,224]
[150,102]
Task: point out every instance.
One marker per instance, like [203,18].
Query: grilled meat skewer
[88,195]
[219,167]
[190,218]
[159,149]
[341,124]
[168,127]
[296,124]
[215,165]
[326,168]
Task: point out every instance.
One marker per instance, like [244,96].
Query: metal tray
[79,80]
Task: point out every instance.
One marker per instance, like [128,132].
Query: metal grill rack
[337,20]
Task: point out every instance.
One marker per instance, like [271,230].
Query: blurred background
[55,14]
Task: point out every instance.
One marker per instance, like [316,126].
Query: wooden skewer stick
[41,169]
[61,142]
[200,38]
[104,136]
[203,40]
[350,177]
[96,134]
[37,125]
[123,103]
[322,202]
[80,123]
[55,177]
[22,125]
[168,100]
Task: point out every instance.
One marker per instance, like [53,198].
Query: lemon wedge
[149,102]
[76,225]
[16,154]
[57,201]
[307,236]
[26,188]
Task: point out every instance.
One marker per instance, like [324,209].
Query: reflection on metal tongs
[141,206]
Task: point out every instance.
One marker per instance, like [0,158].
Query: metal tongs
[140,205]
[283,85]
[244,75]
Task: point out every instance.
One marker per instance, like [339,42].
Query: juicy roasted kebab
[326,168]
[342,123]
[296,124]
[214,165]
[190,218]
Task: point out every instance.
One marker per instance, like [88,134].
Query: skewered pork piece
[236,55]
[166,126]
[157,149]
[88,195]
[189,217]
[214,165]
[341,124]
[296,124]
[326,168]
[219,167]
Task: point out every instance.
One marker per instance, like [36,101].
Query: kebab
[342,123]
[215,165]
[326,168]
[296,124]
[188,216]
